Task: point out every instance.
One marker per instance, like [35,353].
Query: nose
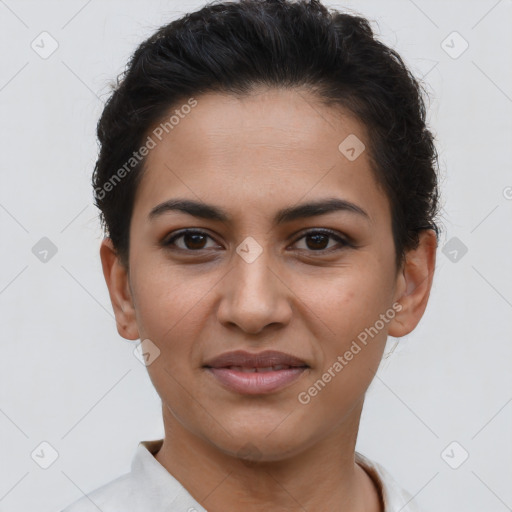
[254,295]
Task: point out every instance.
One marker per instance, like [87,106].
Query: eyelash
[332,234]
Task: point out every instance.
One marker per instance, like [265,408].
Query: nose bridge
[253,279]
[253,295]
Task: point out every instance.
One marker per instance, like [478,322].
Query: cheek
[350,356]
[351,301]
[166,301]
[168,313]
[351,306]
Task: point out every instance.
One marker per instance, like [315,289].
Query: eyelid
[344,241]
[167,241]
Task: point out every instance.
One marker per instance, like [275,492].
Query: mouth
[256,373]
[274,368]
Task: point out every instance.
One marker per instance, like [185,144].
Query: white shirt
[149,487]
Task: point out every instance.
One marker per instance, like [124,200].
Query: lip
[263,359]
[256,373]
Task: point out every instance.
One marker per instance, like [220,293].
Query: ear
[117,279]
[413,285]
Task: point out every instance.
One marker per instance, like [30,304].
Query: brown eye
[317,241]
[191,240]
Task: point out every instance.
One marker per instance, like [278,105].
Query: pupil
[195,238]
[317,238]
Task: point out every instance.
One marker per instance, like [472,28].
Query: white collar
[168,493]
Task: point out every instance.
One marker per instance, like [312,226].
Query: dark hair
[233,47]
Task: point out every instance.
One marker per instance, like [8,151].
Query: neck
[323,477]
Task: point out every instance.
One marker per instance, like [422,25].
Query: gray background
[68,378]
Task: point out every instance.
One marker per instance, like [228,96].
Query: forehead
[259,152]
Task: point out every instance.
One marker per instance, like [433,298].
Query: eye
[318,240]
[193,240]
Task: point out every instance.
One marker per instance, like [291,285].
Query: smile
[256,373]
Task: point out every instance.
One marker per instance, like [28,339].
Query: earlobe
[116,277]
[414,283]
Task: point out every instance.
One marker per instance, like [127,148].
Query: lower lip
[255,383]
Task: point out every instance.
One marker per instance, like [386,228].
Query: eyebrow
[301,211]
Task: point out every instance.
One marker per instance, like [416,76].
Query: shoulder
[395,497]
[147,487]
[119,494]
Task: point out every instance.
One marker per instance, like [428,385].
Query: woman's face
[272,274]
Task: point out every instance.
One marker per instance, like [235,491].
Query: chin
[261,443]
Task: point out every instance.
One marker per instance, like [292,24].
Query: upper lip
[265,359]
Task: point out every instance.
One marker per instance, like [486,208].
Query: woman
[268,188]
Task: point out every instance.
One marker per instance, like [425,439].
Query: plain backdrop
[438,415]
